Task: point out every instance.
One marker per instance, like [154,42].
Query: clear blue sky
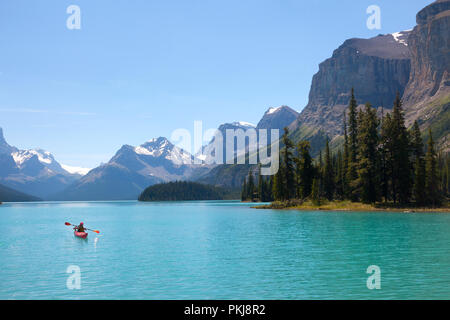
[140,69]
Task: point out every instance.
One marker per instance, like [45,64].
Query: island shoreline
[345,206]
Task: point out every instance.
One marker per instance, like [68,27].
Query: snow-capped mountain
[34,171]
[131,170]
[402,37]
[274,118]
[75,170]
[278,118]
[42,160]
[207,154]
[162,148]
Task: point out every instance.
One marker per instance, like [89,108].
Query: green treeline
[186,191]
[380,161]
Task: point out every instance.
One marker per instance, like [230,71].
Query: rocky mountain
[377,68]
[35,172]
[415,63]
[233,175]
[208,153]
[277,118]
[273,118]
[131,170]
[427,95]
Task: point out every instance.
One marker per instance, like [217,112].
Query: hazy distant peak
[278,118]
[76,170]
[243,124]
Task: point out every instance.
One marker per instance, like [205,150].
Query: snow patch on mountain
[243,124]
[179,156]
[273,110]
[21,156]
[144,151]
[161,147]
[401,37]
[76,170]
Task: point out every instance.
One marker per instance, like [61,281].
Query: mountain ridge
[35,171]
[131,170]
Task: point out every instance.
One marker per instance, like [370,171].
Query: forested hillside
[186,191]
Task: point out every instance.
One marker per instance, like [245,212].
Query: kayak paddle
[69,224]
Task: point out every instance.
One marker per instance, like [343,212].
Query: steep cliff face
[377,68]
[427,95]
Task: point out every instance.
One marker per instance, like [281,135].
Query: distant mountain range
[208,154]
[132,169]
[127,173]
[34,172]
[273,118]
[415,63]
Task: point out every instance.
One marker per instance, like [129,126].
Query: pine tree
[260,184]
[442,174]
[396,147]
[328,174]
[270,196]
[298,174]
[402,165]
[264,197]
[368,166]
[345,188]
[319,174]
[419,166]
[288,167]
[244,191]
[278,184]
[305,169]
[315,195]
[340,176]
[250,186]
[384,183]
[446,169]
[353,147]
[388,147]
[432,181]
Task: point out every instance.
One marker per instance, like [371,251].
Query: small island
[346,205]
[380,164]
[187,191]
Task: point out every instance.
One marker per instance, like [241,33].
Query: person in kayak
[80,228]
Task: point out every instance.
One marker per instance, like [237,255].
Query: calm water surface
[220,250]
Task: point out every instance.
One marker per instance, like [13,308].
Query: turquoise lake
[220,250]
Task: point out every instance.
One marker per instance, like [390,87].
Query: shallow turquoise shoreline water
[220,250]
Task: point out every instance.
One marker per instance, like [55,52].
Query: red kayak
[82,235]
